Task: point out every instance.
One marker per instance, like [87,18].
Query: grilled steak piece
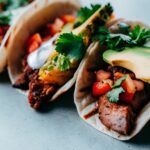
[40,93]
[116,116]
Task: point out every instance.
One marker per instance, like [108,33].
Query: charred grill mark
[40,93]
[91,113]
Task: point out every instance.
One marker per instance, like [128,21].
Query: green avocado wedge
[135,59]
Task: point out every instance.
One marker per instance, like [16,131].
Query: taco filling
[7,12]
[121,84]
[54,53]
[5,22]
[12,4]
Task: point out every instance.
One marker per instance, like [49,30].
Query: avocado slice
[135,59]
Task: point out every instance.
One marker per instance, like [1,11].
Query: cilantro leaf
[119,81]
[112,41]
[5,18]
[140,35]
[13,4]
[84,13]
[113,95]
[125,38]
[119,41]
[71,46]
[101,34]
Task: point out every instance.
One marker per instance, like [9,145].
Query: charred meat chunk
[115,116]
[24,78]
[40,93]
[21,82]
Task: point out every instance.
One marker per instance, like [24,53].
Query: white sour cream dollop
[37,58]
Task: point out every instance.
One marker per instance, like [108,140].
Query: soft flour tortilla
[85,102]
[3,55]
[36,16]
[3,51]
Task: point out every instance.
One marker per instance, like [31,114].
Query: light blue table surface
[59,127]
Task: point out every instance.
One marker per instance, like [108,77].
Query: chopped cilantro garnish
[71,46]
[126,38]
[119,81]
[102,34]
[5,18]
[84,13]
[113,95]
[13,4]
[140,35]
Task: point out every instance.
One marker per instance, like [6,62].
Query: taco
[46,49]
[7,5]
[9,12]
[112,91]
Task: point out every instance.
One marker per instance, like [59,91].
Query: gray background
[59,127]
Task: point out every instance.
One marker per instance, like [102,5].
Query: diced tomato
[102,75]
[118,75]
[34,42]
[68,18]
[129,87]
[36,37]
[100,88]
[127,97]
[32,47]
[56,26]
[53,30]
